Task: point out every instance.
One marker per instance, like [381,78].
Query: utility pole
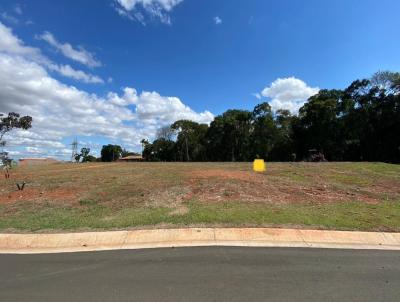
[74,149]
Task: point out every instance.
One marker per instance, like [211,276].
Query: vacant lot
[362,196]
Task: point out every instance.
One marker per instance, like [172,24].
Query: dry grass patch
[132,194]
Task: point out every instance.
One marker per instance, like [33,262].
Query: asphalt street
[203,274]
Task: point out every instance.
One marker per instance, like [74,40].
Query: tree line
[359,123]
[108,153]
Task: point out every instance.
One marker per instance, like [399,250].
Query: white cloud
[128,98]
[156,9]
[60,111]
[13,153]
[80,55]
[217,20]
[79,75]
[18,9]
[33,150]
[152,108]
[10,44]
[288,93]
[12,16]
[9,18]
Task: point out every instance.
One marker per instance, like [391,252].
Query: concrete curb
[162,238]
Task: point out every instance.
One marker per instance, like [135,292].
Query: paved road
[203,274]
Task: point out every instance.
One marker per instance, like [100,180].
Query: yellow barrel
[259,165]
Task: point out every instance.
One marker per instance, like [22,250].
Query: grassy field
[59,197]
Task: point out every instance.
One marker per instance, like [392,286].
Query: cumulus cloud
[137,9]
[9,18]
[288,93]
[217,20]
[10,44]
[80,55]
[79,75]
[154,109]
[61,111]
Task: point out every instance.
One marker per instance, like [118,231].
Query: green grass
[63,197]
[87,202]
[343,216]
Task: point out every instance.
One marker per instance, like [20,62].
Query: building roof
[131,157]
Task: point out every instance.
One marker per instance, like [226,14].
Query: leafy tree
[161,150]
[91,158]
[190,140]
[319,128]
[125,153]
[110,153]
[84,155]
[13,121]
[144,142]
[4,159]
[7,123]
[215,139]
[360,122]
[228,136]
[283,142]
[386,80]
[166,133]
[77,157]
[146,149]
[264,131]
[375,118]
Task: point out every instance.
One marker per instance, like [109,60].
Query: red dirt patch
[222,185]
[239,175]
[68,195]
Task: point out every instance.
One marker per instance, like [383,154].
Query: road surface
[203,274]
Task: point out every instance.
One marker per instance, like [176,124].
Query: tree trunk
[187,149]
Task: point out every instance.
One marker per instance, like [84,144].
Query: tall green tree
[264,131]
[375,118]
[190,140]
[283,143]
[228,136]
[110,153]
[360,122]
[162,150]
[318,126]
[85,154]
[165,132]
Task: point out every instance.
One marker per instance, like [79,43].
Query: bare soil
[172,184]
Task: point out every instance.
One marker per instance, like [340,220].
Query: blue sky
[208,55]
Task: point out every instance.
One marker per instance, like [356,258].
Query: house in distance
[131,158]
